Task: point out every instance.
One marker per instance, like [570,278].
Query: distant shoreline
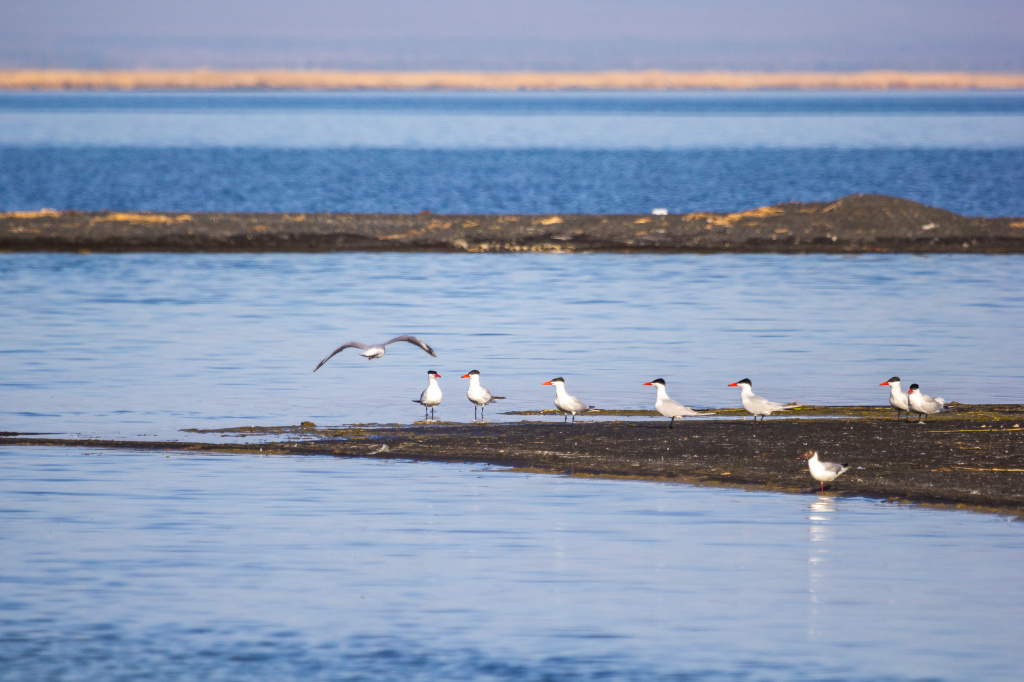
[649,80]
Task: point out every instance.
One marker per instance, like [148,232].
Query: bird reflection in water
[821,531]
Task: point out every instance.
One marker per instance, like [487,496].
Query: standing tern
[670,408]
[897,398]
[567,403]
[755,404]
[374,351]
[922,404]
[431,396]
[477,394]
[825,472]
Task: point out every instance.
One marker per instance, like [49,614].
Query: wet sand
[853,224]
[969,458]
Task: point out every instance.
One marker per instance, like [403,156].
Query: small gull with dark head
[825,472]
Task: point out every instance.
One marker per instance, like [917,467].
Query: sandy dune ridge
[504,80]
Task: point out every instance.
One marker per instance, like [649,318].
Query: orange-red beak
[465,376]
[547,383]
[884,383]
[648,384]
[734,384]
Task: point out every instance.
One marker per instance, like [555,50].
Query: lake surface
[147,344]
[120,565]
[507,152]
[117,565]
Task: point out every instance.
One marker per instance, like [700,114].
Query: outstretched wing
[413,340]
[350,344]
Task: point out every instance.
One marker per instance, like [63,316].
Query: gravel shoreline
[972,458]
[853,224]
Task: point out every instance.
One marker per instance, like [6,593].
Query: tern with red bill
[569,404]
[431,396]
[477,394]
[755,404]
[897,398]
[374,351]
[825,472]
[922,404]
[667,407]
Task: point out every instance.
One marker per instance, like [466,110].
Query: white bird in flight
[568,404]
[374,351]
[477,394]
[825,472]
[670,408]
[897,398]
[923,404]
[755,404]
[431,396]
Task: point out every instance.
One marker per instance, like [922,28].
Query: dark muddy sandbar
[853,224]
[971,458]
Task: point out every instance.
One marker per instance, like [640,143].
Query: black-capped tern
[825,472]
[374,351]
[568,404]
[477,394]
[755,404]
[922,404]
[431,396]
[670,408]
[897,398]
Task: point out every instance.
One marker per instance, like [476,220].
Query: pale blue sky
[514,34]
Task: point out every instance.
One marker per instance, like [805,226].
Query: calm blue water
[507,153]
[123,566]
[146,344]
[152,566]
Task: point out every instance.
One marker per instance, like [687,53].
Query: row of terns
[824,472]
[912,401]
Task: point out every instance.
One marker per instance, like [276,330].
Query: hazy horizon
[523,34]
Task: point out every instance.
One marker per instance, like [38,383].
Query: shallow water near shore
[119,565]
[142,345]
